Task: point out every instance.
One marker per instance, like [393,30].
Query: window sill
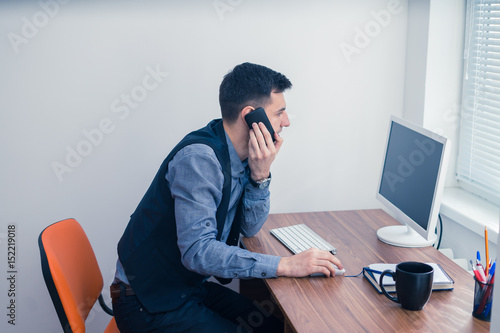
[471,211]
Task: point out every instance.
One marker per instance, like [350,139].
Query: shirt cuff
[255,194]
[265,266]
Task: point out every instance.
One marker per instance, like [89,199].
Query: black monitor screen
[410,172]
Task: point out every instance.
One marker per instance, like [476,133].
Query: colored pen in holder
[483,298]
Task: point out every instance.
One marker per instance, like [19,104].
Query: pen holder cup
[483,297]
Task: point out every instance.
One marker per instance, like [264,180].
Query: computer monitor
[411,183]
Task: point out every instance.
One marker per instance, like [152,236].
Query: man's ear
[246,110]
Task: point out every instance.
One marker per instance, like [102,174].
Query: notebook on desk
[442,281]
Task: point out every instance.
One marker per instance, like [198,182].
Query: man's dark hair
[248,84]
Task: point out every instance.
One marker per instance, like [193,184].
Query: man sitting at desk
[213,186]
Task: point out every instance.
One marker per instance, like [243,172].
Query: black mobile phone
[257,116]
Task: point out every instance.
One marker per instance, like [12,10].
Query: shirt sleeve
[255,209]
[195,178]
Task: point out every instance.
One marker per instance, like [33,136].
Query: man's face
[276,112]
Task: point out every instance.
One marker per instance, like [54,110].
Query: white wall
[434,63]
[65,68]
[464,242]
[417,35]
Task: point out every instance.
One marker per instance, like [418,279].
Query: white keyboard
[299,237]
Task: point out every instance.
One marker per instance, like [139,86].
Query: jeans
[214,309]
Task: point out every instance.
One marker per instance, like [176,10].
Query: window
[478,164]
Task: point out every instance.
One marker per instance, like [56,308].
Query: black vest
[148,248]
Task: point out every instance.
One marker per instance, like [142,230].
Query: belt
[116,291]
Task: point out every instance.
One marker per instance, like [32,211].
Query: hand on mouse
[308,262]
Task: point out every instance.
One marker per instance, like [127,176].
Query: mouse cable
[356,275]
[365,269]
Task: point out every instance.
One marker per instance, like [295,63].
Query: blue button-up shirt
[195,179]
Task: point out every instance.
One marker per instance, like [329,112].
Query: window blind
[478,163]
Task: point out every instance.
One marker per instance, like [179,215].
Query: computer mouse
[337,272]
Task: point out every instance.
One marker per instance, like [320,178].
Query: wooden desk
[319,304]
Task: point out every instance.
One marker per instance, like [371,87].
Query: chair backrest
[71,273]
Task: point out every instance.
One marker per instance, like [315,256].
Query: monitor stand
[404,236]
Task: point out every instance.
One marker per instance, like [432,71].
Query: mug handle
[391,273]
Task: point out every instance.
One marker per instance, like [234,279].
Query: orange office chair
[72,275]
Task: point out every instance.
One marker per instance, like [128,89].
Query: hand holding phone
[259,115]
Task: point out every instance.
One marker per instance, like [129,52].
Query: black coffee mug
[413,284]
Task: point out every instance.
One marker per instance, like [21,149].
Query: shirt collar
[237,166]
